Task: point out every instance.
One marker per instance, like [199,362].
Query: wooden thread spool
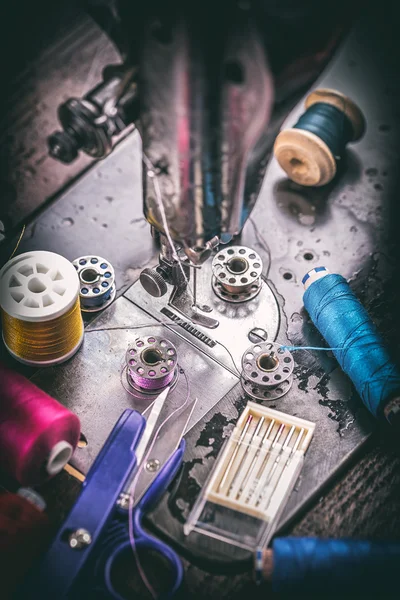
[304,155]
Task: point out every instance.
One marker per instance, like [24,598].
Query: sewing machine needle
[255,434]
[292,452]
[264,462]
[254,461]
[295,447]
[236,450]
[276,462]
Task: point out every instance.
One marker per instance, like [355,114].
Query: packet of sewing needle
[252,479]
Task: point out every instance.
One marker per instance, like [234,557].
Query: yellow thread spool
[39,299]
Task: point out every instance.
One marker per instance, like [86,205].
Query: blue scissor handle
[146,543]
[144,540]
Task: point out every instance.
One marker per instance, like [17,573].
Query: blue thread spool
[350,332]
[309,151]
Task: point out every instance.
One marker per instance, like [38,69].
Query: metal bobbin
[237,274]
[267,371]
[151,364]
[97,282]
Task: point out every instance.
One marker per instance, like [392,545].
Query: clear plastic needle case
[252,479]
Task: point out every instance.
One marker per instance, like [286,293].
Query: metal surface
[93,123]
[102,214]
[150,425]
[184,300]
[79,539]
[235,321]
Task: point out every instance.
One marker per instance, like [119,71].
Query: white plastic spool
[37,287]
[58,457]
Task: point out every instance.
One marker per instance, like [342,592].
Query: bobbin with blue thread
[152,364]
[351,335]
[97,282]
[266,371]
[309,152]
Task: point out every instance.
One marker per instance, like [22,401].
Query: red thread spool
[24,533]
[37,434]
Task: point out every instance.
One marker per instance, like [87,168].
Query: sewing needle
[255,434]
[260,470]
[232,459]
[292,452]
[254,461]
[276,462]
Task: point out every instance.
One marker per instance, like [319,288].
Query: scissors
[80,559]
[142,539]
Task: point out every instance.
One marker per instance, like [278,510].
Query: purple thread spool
[151,363]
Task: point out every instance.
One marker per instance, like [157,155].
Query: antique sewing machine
[208,90]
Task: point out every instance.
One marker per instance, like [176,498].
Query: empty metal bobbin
[237,274]
[97,282]
[267,371]
[151,364]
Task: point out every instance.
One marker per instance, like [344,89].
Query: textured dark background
[48,59]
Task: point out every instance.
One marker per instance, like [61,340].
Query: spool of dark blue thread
[309,151]
[350,332]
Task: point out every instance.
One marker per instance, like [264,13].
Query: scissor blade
[168,441]
[150,425]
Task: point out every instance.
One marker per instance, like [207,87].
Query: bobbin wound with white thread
[305,153]
[37,288]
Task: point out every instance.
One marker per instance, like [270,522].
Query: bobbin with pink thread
[151,364]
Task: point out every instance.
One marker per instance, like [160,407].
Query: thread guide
[253,477]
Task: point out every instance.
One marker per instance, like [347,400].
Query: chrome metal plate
[235,320]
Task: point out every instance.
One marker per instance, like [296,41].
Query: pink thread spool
[37,434]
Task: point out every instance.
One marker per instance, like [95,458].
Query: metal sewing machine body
[207,87]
